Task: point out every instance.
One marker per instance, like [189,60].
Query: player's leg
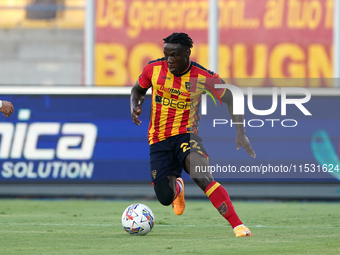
[165,170]
[170,190]
[165,190]
[217,194]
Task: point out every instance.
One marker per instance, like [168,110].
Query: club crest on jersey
[188,85]
[153,174]
[222,209]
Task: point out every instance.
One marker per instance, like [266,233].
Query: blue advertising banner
[289,148]
[72,138]
[92,139]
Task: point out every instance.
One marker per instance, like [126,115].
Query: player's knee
[165,199]
[164,193]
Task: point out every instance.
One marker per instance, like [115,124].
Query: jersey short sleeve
[144,79]
[220,91]
[210,82]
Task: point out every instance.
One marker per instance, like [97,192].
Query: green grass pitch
[94,227]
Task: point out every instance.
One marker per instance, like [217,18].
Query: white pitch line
[158,225]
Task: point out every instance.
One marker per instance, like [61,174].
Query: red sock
[178,189]
[220,199]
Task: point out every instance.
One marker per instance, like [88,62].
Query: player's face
[177,57]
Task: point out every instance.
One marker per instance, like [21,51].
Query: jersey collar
[185,72]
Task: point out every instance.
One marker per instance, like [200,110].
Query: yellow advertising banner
[264,41]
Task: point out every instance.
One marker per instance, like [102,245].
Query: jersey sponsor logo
[173,103]
[174,91]
[38,149]
[166,77]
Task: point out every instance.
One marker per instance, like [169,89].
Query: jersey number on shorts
[193,143]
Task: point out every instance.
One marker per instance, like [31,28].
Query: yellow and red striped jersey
[175,98]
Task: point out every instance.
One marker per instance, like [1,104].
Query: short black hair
[181,38]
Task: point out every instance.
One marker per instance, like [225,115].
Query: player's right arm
[136,101]
[138,93]
[6,108]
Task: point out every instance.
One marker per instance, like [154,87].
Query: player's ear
[188,53]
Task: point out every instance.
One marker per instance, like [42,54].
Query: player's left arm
[241,139]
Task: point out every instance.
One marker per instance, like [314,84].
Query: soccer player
[6,108]
[173,134]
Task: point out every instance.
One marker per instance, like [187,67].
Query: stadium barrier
[85,135]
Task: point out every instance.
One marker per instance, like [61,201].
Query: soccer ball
[138,219]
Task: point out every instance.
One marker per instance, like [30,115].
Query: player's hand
[7,108]
[135,114]
[242,140]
